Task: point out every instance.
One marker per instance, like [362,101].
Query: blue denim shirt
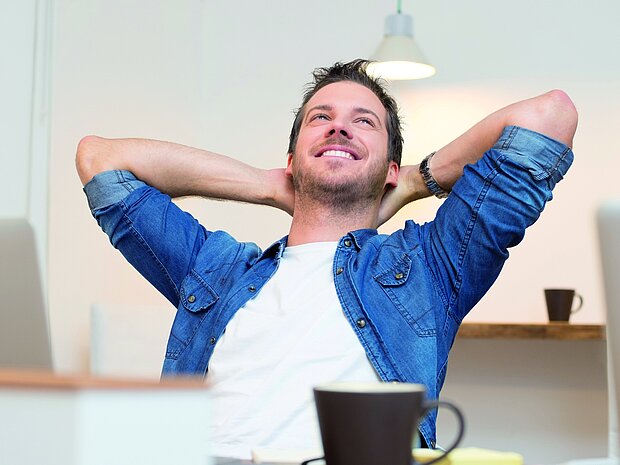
[405,294]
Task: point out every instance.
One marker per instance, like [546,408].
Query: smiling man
[334,300]
[339,163]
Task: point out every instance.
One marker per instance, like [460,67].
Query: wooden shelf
[558,331]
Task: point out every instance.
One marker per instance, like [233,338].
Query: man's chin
[342,195]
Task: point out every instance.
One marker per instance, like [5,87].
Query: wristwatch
[429,180]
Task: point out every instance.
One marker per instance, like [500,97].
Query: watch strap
[429,180]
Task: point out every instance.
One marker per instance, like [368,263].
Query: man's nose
[341,129]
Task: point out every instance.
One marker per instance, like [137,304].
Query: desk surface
[38,379]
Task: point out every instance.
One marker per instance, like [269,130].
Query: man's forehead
[346,94]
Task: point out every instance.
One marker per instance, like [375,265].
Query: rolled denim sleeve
[487,212]
[155,236]
[110,187]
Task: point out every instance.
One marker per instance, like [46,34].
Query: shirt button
[212,340]
[251,288]
[191,299]
[399,275]
[361,323]
[339,270]
[347,242]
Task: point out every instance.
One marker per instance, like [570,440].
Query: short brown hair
[353,71]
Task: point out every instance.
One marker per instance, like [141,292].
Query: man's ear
[289,165]
[392,175]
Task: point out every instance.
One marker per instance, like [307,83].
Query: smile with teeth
[338,153]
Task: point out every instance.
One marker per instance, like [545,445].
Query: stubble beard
[342,195]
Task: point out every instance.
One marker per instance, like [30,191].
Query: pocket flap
[397,274]
[196,294]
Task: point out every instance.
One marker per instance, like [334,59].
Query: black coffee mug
[560,303]
[374,423]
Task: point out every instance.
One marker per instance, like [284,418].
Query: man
[332,301]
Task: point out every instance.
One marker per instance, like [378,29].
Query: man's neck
[313,222]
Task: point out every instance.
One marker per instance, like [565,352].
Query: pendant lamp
[398,57]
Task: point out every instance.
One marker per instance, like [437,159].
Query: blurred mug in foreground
[560,303]
[374,423]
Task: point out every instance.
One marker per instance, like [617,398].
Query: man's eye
[367,121]
[319,116]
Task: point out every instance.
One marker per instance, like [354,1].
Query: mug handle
[459,416]
[580,303]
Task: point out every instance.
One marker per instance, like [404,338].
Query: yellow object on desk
[469,456]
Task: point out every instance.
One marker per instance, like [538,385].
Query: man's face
[341,151]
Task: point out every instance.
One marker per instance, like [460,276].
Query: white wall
[25,48]
[121,69]
[17,36]
[227,75]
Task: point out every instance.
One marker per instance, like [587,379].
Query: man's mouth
[339,152]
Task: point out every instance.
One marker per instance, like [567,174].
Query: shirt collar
[360,237]
[276,249]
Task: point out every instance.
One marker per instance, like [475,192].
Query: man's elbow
[91,157]
[558,116]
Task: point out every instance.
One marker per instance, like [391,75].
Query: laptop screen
[24,336]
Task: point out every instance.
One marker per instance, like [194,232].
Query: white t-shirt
[291,337]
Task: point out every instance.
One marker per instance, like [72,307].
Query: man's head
[354,71]
[339,149]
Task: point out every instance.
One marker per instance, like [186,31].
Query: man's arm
[178,171]
[158,238]
[552,114]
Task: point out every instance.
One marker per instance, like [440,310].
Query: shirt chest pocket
[406,286]
[197,297]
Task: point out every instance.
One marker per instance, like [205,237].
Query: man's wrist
[429,180]
[278,190]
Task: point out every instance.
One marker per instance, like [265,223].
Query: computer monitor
[24,335]
[608,222]
[609,237]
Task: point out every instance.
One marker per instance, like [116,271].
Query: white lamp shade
[399,57]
